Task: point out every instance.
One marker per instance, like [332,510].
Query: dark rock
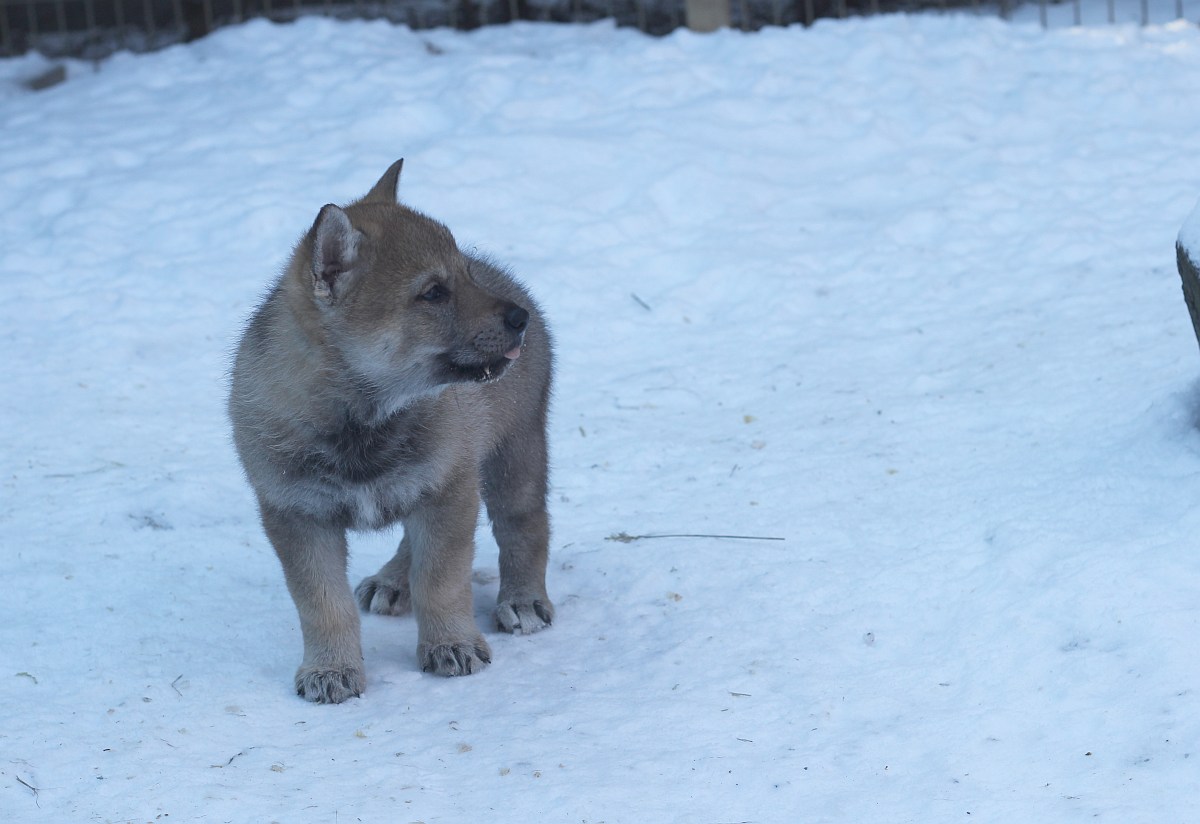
[1191,286]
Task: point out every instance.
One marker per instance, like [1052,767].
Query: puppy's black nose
[516,319]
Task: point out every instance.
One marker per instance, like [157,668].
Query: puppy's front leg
[314,562]
[442,533]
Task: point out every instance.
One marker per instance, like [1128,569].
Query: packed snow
[898,292]
[1189,234]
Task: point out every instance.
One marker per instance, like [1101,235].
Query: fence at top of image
[93,29]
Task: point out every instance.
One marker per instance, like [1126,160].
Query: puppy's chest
[374,473]
[355,453]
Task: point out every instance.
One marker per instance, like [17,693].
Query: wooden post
[1190,275]
[707,15]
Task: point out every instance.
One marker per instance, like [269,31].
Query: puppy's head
[397,300]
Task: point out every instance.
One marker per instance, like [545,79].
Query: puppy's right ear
[387,190]
[336,253]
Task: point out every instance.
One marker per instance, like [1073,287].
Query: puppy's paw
[456,658]
[524,616]
[326,685]
[383,596]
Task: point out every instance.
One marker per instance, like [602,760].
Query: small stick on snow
[32,789]
[232,758]
[641,302]
[626,538]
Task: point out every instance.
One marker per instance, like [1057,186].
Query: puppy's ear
[337,250]
[387,189]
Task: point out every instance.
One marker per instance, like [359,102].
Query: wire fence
[93,29]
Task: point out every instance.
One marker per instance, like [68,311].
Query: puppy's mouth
[485,371]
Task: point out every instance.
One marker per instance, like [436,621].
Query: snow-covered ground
[899,291]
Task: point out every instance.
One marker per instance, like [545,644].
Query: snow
[1189,233]
[899,291]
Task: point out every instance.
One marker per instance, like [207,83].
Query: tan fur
[379,382]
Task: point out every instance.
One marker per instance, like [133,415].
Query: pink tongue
[513,354]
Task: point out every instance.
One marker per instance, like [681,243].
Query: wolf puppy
[390,377]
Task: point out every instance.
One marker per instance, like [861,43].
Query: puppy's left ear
[337,253]
[388,187]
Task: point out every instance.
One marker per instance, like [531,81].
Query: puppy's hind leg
[514,489]
[313,556]
[387,591]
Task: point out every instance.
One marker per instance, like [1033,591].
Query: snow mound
[1189,234]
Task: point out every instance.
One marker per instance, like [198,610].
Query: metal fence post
[6,46]
[707,15]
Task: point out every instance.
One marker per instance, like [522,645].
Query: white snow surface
[899,291]
[1189,233]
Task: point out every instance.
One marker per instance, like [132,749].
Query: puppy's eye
[435,293]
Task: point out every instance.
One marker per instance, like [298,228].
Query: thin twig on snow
[626,538]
